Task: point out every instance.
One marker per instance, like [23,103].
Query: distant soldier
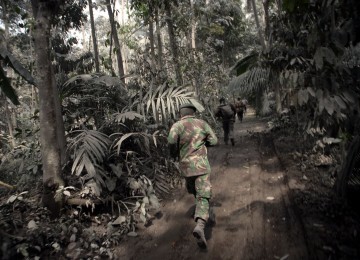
[240,108]
[226,112]
[188,139]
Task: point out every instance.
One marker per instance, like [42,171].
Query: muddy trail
[254,216]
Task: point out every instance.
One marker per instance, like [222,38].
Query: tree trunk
[60,128]
[349,157]
[93,33]
[159,41]
[116,41]
[173,45]
[278,96]
[266,4]
[193,25]
[51,158]
[193,47]
[9,123]
[261,37]
[152,38]
[5,44]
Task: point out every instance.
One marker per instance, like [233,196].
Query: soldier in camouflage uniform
[226,112]
[190,136]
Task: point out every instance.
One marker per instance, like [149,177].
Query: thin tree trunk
[152,38]
[9,123]
[193,25]
[261,37]
[173,45]
[159,41]
[51,158]
[116,41]
[34,96]
[266,4]
[349,155]
[278,97]
[93,33]
[5,44]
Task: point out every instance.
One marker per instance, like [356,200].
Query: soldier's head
[239,98]
[187,109]
[222,100]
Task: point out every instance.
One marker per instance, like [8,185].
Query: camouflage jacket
[192,136]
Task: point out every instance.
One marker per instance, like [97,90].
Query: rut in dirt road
[254,217]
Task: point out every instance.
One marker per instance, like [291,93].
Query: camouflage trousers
[200,187]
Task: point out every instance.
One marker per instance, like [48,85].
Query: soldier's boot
[199,234]
[232,141]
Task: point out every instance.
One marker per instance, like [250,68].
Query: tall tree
[116,41]
[50,150]
[151,34]
[158,38]
[173,44]
[93,35]
[260,32]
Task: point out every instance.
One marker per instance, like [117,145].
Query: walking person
[226,112]
[188,139]
[239,107]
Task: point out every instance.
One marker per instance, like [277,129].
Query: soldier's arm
[218,113]
[211,139]
[173,138]
[233,108]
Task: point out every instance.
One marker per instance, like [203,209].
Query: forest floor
[255,189]
[270,202]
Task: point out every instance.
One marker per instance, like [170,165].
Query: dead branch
[11,236]
[3,184]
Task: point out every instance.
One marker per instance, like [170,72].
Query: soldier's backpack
[226,112]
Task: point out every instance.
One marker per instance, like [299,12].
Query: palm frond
[252,80]
[245,64]
[166,101]
[146,141]
[90,148]
[128,115]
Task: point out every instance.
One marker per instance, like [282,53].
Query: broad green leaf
[311,91]
[119,220]
[89,167]
[154,202]
[11,199]
[340,102]
[329,106]
[198,106]
[117,169]
[110,184]
[79,156]
[124,137]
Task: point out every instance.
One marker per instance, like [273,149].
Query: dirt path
[255,219]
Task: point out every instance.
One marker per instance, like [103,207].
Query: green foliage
[115,154]
[292,5]
[68,14]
